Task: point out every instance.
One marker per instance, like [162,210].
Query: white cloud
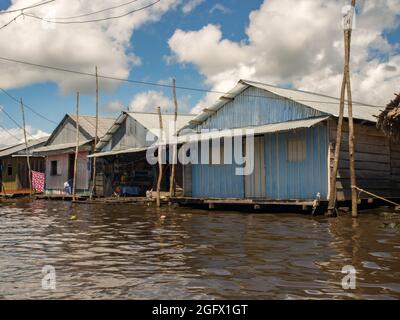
[190,5]
[218,7]
[166,82]
[148,101]
[298,43]
[114,106]
[14,136]
[73,46]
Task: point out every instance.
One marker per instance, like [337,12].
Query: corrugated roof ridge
[89,116]
[164,114]
[245,81]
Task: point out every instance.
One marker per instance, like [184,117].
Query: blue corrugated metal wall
[297,179]
[216,181]
[255,107]
[284,179]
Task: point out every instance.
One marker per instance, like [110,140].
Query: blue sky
[149,43]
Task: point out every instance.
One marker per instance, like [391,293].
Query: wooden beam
[209,111]
[76,148]
[95,137]
[160,165]
[354,202]
[195,122]
[345,85]
[26,150]
[174,145]
[226,98]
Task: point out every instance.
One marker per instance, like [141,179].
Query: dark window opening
[9,170]
[53,168]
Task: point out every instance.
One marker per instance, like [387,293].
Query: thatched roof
[389,119]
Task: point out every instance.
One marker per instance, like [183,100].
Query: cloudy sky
[202,43]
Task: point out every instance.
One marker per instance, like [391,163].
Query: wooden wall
[130,134]
[19,179]
[67,134]
[377,162]
[55,183]
[10,183]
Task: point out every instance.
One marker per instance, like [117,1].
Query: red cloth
[38,181]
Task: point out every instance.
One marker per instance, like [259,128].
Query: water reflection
[138,252]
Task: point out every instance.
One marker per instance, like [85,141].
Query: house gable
[254,107]
[66,133]
[130,134]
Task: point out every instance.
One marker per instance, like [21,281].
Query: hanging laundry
[38,181]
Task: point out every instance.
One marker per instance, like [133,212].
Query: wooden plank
[366,157]
[363,139]
[365,148]
[395,146]
[368,184]
[394,154]
[395,163]
[365,174]
[359,129]
[363,165]
[386,193]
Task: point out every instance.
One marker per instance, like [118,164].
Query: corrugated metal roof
[115,152]
[267,128]
[152,123]
[61,146]
[21,147]
[147,120]
[88,123]
[322,103]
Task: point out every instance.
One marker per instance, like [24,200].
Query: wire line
[11,21]
[178,87]
[95,12]
[36,4]
[28,107]
[93,20]
[9,132]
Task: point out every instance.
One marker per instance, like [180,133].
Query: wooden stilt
[95,137]
[345,85]
[174,145]
[76,148]
[27,150]
[353,183]
[332,191]
[160,164]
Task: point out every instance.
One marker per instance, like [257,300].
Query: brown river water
[138,252]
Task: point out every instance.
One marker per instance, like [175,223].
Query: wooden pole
[26,149]
[160,167]
[353,183]
[345,84]
[76,148]
[95,136]
[174,145]
[332,191]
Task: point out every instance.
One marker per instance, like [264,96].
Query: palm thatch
[389,119]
